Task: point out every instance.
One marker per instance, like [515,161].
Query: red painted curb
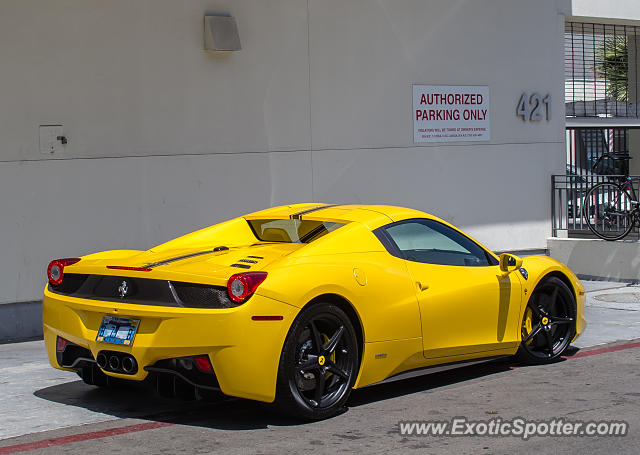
[594,352]
[603,350]
[82,437]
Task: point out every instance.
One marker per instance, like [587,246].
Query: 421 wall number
[534,108]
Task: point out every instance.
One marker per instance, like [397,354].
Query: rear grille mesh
[202,296]
[71,283]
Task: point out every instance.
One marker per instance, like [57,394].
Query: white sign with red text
[448,113]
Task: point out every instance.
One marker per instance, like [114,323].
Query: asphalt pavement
[44,410]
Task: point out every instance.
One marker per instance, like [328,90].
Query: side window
[431,242]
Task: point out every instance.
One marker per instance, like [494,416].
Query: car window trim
[308,240]
[392,247]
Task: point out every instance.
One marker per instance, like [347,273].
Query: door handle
[422,286]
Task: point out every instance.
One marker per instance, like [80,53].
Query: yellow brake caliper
[332,357]
[527,324]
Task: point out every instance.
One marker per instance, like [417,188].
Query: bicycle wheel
[607,209]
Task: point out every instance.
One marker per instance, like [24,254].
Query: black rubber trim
[491,259]
[186,256]
[387,242]
[298,215]
[181,376]
[437,369]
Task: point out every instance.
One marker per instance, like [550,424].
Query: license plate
[117,330]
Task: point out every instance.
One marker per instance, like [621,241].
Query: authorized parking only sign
[450,113]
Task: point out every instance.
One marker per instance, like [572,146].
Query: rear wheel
[549,322]
[608,209]
[318,364]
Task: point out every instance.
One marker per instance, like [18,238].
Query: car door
[467,305]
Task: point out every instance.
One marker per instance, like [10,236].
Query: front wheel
[607,209]
[318,364]
[549,322]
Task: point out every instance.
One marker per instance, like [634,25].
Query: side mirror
[509,262]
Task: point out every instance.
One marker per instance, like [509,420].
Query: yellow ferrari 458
[300,304]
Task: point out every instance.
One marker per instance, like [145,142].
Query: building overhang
[597,122]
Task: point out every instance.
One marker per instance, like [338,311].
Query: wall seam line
[329,149]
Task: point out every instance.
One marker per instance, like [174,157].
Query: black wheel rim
[324,362]
[548,323]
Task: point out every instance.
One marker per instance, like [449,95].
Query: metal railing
[567,195]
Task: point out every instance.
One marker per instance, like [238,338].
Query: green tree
[612,64]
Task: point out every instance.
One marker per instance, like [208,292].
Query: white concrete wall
[598,259]
[612,10]
[165,138]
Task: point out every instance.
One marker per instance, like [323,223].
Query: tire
[548,324]
[318,364]
[607,210]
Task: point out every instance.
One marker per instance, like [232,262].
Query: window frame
[393,249]
[259,239]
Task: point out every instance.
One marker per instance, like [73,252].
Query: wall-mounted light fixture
[221,33]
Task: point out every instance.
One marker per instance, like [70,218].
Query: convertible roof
[371,215]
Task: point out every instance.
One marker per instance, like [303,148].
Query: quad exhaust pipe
[117,362]
[101,360]
[129,364]
[114,363]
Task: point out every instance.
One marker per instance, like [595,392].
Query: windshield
[291,231]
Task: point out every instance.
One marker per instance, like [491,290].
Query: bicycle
[610,208]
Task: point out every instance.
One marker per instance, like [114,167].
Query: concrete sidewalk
[36,397]
[612,312]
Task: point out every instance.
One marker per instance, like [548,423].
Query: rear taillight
[55,271]
[202,363]
[241,286]
[61,343]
